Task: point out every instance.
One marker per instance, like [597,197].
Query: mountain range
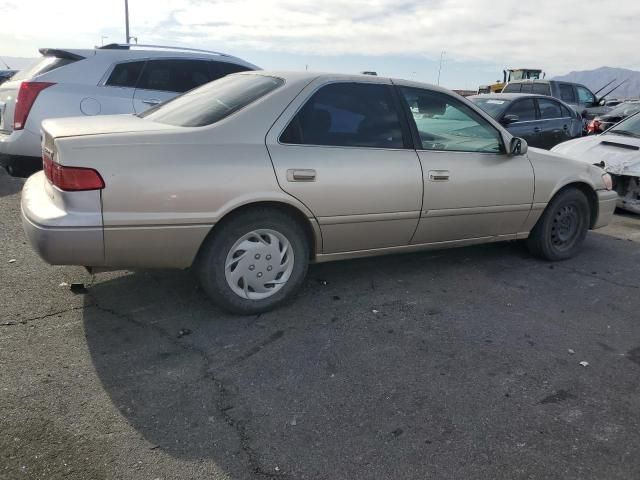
[596,79]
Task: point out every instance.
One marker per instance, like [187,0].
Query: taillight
[27,94]
[71,179]
[594,126]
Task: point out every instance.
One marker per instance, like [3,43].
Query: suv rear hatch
[51,59]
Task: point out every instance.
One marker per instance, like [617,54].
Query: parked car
[251,177]
[6,75]
[583,100]
[542,121]
[608,120]
[108,80]
[617,151]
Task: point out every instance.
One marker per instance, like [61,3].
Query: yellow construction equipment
[512,74]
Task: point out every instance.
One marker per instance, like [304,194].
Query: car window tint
[527,88]
[566,93]
[566,112]
[174,75]
[585,96]
[524,109]
[347,115]
[445,123]
[512,88]
[214,101]
[220,69]
[541,89]
[549,109]
[125,74]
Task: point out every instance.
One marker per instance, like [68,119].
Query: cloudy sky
[402,38]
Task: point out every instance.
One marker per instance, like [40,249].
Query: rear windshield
[42,65]
[512,88]
[493,106]
[214,101]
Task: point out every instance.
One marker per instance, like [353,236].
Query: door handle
[439,175]
[151,101]
[565,127]
[537,129]
[301,175]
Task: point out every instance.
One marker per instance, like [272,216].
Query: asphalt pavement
[473,363]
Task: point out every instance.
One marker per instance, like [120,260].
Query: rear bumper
[56,234]
[607,200]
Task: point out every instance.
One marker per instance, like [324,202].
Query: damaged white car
[617,151]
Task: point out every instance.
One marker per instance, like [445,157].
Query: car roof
[509,96]
[126,51]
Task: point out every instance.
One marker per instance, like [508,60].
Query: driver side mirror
[518,146]
[509,119]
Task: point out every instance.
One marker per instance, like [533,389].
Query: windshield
[214,101]
[492,106]
[629,127]
[624,110]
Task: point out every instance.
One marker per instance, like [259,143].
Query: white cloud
[557,36]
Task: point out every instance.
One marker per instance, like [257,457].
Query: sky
[399,38]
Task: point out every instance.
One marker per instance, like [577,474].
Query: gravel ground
[446,365]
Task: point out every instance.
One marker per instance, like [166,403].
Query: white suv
[113,79]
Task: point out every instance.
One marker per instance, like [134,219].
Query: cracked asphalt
[444,365]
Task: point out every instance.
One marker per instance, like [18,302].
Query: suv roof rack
[129,46]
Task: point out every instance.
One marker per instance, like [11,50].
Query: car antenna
[612,90]
[596,93]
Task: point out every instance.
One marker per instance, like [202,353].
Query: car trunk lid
[100,125]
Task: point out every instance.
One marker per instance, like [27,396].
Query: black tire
[562,228]
[210,263]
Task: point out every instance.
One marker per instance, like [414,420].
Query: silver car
[250,178]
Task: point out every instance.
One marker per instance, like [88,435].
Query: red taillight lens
[594,126]
[71,179]
[27,94]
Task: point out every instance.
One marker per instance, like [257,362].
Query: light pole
[102,38]
[126,19]
[440,68]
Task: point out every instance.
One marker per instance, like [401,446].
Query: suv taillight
[27,94]
[71,179]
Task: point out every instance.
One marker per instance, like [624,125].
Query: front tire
[254,262]
[560,232]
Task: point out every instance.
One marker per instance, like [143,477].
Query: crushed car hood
[617,154]
[100,124]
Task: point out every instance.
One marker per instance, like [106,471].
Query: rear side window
[566,112]
[524,109]
[125,74]
[174,75]
[526,88]
[512,88]
[347,115]
[214,101]
[541,89]
[549,109]
[220,69]
[43,65]
[566,93]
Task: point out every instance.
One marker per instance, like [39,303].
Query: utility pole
[126,19]
[440,68]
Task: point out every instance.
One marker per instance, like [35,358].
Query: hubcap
[259,264]
[565,226]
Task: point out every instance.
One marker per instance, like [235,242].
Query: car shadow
[360,374]
[9,185]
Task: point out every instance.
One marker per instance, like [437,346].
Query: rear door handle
[151,101]
[565,127]
[537,129]
[439,175]
[301,175]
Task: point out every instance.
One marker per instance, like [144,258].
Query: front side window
[174,75]
[549,109]
[585,96]
[566,93]
[213,102]
[445,123]
[125,75]
[525,110]
[347,115]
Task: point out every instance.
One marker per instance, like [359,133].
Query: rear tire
[562,228]
[254,262]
